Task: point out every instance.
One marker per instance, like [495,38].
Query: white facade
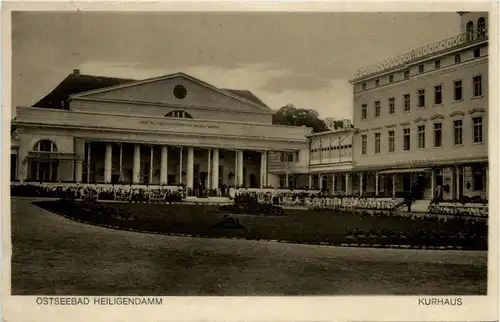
[424,118]
[144,133]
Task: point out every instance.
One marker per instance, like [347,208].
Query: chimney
[76,72]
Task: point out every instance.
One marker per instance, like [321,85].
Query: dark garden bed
[298,226]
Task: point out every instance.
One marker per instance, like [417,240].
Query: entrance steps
[420,206]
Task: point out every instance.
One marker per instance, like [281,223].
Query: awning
[408,170]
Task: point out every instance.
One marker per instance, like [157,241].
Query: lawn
[52,255]
[300,226]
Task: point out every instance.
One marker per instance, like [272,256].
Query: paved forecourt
[54,256]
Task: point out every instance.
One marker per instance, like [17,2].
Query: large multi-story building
[419,120]
[422,117]
[168,130]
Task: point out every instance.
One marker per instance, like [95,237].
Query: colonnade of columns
[212,165]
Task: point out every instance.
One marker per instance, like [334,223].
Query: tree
[290,115]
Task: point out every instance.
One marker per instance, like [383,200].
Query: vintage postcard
[221,161]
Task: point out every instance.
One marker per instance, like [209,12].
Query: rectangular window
[377,82]
[437,64]
[406,139]
[458,90]
[407,102]
[377,108]
[363,144]
[407,74]
[438,134]
[391,78]
[391,141]
[457,59]
[438,95]
[420,69]
[421,97]
[457,131]
[479,175]
[478,129]
[478,86]
[377,142]
[477,53]
[363,111]
[391,105]
[364,86]
[421,136]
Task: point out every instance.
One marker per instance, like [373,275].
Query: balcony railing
[419,53]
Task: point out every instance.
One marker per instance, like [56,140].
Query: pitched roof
[245,94]
[78,83]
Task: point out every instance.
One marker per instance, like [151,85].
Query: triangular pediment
[177,90]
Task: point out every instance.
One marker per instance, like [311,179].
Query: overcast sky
[300,58]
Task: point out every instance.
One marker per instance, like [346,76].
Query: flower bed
[476,210]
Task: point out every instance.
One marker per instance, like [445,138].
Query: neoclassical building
[168,130]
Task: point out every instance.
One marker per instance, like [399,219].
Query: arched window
[45,146]
[481,28]
[470,31]
[179,114]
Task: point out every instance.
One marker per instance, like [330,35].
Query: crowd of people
[129,194]
[283,198]
[315,200]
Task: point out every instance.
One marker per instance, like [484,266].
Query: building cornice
[476,110]
[436,116]
[457,113]
[172,107]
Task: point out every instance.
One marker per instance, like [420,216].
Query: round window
[180,91]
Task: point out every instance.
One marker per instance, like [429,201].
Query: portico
[183,132]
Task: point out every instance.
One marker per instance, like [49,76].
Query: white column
[180,165]
[80,154]
[361,183]
[209,169]
[334,177]
[262,171]
[215,166]
[164,165]
[320,181]
[310,181]
[457,182]
[88,162]
[393,185]
[151,164]
[433,183]
[266,155]
[286,179]
[240,167]
[121,163]
[190,167]
[376,184]
[136,171]
[108,162]
[347,183]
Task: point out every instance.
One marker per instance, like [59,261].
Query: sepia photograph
[247,153]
